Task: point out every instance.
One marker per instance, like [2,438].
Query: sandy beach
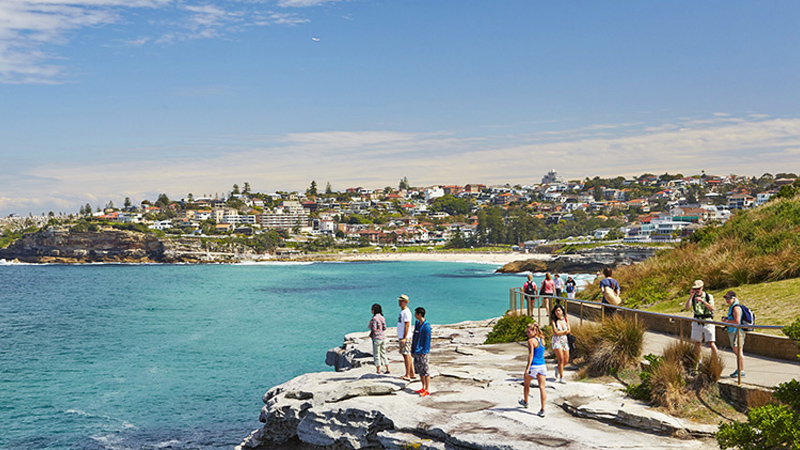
[480,257]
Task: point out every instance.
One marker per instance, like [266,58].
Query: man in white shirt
[403,335]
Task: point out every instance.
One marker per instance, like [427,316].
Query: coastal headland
[473,405]
[65,246]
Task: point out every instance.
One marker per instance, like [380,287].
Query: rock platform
[473,405]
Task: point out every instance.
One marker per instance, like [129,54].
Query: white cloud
[380,158]
[31,30]
[302,3]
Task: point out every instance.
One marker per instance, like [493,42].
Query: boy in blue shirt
[420,348]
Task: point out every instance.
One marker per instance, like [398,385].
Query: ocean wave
[274,263]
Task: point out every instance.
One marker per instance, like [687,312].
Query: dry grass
[668,385]
[708,372]
[684,353]
[608,347]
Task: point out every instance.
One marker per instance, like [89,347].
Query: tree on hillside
[451,205]
[246,189]
[162,201]
[235,190]
[312,190]
[128,203]
[328,190]
[404,186]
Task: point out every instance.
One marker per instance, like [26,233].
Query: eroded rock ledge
[473,405]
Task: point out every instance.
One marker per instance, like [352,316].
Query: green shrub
[643,391]
[773,426]
[509,329]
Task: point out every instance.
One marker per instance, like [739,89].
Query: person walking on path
[613,285]
[421,348]
[558,285]
[377,331]
[536,366]
[736,339]
[529,290]
[548,289]
[403,331]
[561,330]
[570,286]
[702,306]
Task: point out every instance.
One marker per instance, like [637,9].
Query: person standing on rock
[536,366]
[702,305]
[421,348]
[570,286]
[377,331]
[403,329]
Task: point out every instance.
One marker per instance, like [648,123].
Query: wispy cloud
[32,30]
[302,3]
[380,158]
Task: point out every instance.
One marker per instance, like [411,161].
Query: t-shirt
[570,284]
[402,319]
[377,326]
[700,310]
[548,287]
[559,283]
[529,288]
[610,282]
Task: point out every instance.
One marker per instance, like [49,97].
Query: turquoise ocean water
[178,356]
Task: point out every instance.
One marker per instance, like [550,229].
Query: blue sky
[103,99]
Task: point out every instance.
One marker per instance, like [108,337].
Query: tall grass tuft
[709,371]
[614,345]
[684,353]
[668,385]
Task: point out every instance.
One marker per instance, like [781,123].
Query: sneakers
[540,413]
[420,391]
[523,403]
[736,374]
[561,380]
[424,393]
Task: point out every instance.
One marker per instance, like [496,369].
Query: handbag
[611,296]
[571,342]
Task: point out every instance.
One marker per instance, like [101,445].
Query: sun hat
[403,298]
[730,294]
[697,284]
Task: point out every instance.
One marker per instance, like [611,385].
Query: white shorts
[538,370]
[703,332]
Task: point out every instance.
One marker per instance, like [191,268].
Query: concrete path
[761,371]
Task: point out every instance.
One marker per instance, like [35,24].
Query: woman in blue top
[536,366]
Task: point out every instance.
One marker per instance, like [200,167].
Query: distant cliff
[62,245]
[584,260]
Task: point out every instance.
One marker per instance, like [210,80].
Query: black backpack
[530,288]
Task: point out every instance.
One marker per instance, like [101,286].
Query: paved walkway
[760,370]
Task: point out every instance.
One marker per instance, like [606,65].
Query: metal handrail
[536,300]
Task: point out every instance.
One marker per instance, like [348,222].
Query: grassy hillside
[753,253]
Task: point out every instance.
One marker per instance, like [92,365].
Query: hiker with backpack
[529,290]
[737,316]
[702,305]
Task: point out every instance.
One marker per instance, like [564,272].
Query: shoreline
[498,258]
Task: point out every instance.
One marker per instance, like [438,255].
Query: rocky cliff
[473,405]
[584,260]
[62,245]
